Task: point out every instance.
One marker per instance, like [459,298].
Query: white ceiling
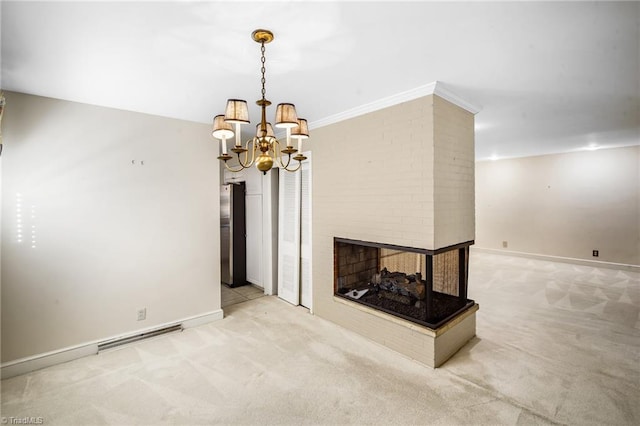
[550,77]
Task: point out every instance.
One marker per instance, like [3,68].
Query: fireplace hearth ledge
[444,341]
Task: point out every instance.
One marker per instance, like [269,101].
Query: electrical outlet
[142,314]
[505,244]
[596,253]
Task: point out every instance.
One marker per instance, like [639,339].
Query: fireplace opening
[428,287]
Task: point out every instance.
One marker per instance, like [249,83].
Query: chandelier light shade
[286,116]
[236,111]
[222,130]
[263,150]
[301,131]
[269,134]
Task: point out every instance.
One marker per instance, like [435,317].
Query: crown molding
[446,93]
[434,88]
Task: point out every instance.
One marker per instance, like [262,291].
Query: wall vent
[125,340]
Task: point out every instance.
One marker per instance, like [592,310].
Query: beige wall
[393,176]
[562,205]
[111,237]
[453,169]
[374,179]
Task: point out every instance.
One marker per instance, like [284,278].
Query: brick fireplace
[398,183]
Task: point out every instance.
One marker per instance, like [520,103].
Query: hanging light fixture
[268,148]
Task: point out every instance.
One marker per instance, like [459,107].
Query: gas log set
[398,286]
[430,293]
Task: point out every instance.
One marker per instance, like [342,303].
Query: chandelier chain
[262,70]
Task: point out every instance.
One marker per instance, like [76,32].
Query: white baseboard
[47,359]
[59,356]
[584,262]
[202,319]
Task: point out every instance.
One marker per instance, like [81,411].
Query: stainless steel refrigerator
[233,246]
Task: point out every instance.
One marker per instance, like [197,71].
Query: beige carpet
[557,343]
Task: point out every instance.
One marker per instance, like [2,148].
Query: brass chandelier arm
[277,153]
[296,169]
[232,169]
[244,164]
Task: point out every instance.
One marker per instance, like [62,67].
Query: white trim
[201,319]
[445,93]
[437,88]
[267,230]
[308,161]
[584,262]
[48,359]
[59,356]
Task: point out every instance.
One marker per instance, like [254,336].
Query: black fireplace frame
[463,277]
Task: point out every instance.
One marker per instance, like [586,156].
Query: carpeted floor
[556,343]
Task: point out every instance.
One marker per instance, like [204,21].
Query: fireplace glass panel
[445,272]
[422,286]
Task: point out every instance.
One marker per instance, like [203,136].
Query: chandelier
[265,142]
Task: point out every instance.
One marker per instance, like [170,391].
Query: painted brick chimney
[401,175]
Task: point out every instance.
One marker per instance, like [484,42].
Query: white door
[254,262]
[270,232]
[305,234]
[289,237]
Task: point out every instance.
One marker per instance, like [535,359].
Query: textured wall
[374,179]
[454,180]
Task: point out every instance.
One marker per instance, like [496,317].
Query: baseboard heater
[136,337]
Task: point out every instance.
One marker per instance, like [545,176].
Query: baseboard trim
[47,359]
[59,356]
[584,262]
[197,320]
